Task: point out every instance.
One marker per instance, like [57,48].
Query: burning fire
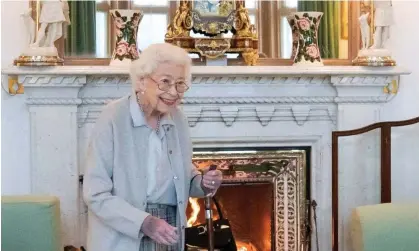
[195,211]
[241,245]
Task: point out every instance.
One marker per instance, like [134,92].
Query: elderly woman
[139,171]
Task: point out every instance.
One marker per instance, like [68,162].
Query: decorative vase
[305,47]
[126,27]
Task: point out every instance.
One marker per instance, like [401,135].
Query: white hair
[156,54]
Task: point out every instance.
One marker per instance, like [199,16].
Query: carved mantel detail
[225,94]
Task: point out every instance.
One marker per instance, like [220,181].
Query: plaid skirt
[164,212]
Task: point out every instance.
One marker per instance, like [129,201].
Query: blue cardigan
[115,182]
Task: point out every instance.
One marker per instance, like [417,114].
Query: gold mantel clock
[213,19]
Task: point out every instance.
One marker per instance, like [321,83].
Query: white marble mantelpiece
[226,107]
[216,70]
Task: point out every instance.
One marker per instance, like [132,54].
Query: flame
[245,246]
[195,211]
[241,245]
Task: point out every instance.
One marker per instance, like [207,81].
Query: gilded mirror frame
[354,9]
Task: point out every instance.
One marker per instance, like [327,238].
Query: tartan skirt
[164,212]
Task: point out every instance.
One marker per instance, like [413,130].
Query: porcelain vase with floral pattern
[305,49]
[126,28]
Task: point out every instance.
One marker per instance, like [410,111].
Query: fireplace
[264,196]
[234,106]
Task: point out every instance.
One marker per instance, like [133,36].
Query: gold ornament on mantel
[181,24]
[212,20]
[377,54]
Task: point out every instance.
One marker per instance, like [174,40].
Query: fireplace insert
[264,195]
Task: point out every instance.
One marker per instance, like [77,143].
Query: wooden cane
[208,216]
[210,227]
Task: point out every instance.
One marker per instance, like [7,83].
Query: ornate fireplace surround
[227,107]
[286,171]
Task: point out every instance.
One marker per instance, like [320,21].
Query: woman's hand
[160,231]
[211,180]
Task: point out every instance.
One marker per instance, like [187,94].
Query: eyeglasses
[165,85]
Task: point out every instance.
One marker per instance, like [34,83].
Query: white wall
[15,123]
[404,44]
[14,119]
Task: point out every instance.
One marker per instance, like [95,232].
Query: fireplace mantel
[234,106]
[232,90]
[215,70]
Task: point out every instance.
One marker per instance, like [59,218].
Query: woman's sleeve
[196,176]
[196,189]
[112,210]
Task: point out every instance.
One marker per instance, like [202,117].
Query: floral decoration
[126,35]
[305,40]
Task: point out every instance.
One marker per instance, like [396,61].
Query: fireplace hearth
[264,196]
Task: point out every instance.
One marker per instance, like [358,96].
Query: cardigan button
[170,152]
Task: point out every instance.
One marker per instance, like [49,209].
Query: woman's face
[159,88]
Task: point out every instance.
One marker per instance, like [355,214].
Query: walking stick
[208,216]
[210,227]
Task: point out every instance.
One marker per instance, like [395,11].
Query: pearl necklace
[158,118]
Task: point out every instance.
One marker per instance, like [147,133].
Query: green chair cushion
[30,223]
[385,227]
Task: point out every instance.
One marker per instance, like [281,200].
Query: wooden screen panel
[385,129]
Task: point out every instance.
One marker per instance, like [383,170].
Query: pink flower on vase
[118,32]
[313,51]
[304,24]
[133,51]
[121,48]
[119,23]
